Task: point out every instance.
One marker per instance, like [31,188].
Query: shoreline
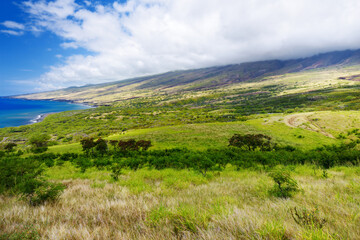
[39,118]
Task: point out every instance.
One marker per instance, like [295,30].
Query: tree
[114,143]
[129,145]
[101,146]
[39,142]
[252,142]
[143,144]
[87,144]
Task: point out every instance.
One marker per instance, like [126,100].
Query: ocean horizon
[17,112]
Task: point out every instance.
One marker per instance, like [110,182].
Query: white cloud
[151,36]
[12,32]
[13,25]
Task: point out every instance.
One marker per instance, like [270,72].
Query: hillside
[89,172]
[334,65]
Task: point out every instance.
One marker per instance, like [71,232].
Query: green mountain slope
[201,79]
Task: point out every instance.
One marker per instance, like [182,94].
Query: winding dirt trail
[303,120]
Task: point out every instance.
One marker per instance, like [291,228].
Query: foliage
[143,144]
[27,233]
[46,192]
[251,142]
[87,144]
[19,175]
[9,147]
[23,176]
[39,142]
[83,163]
[101,146]
[116,169]
[307,218]
[285,186]
[128,145]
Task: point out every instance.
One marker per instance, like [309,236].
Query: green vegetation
[232,155]
[285,185]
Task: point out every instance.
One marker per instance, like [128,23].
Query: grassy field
[215,135]
[171,204]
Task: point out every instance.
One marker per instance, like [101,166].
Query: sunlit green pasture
[216,135]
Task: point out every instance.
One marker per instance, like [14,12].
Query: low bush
[307,218]
[285,186]
[46,192]
[23,176]
[26,233]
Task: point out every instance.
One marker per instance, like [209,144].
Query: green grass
[216,135]
[285,135]
[69,171]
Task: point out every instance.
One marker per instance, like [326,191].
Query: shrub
[23,176]
[46,192]
[116,169]
[307,218]
[201,163]
[9,147]
[26,233]
[285,186]
[17,173]
[83,163]
[39,143]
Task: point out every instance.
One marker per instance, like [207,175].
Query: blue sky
[52,44]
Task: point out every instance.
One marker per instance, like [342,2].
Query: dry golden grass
[185,205]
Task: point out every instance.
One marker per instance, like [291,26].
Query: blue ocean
[16,112]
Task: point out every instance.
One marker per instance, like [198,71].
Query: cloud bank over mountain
[142,37]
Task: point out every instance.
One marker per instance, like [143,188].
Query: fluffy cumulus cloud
[142,37]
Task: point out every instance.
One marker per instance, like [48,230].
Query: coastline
[39,118]
[15,112]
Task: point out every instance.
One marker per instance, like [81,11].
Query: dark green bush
[116,169]
[83,163]
[23,176]
[46,192]
[252,142]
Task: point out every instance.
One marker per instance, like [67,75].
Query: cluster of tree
[101,145]
[252,142]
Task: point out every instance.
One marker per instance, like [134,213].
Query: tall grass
[171,204]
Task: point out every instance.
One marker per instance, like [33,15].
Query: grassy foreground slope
[172,204]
